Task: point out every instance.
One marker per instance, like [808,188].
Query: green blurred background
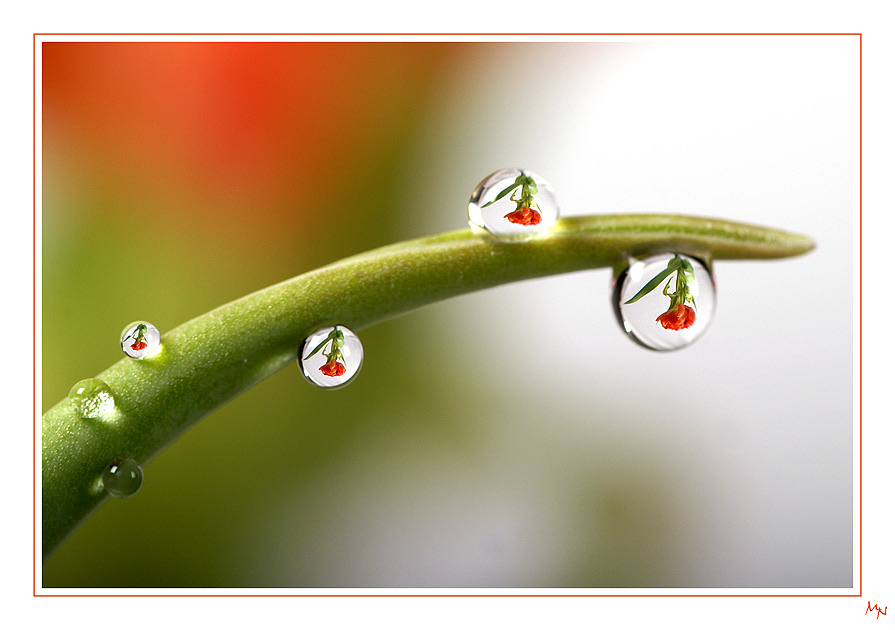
[473,450]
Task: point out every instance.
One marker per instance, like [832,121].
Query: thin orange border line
[415,34]
[861,315]
[34,312]
[860,326]
[436,595]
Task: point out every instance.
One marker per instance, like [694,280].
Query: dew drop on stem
[513,205]
[122,477]
[331,357]
[665,302]
[140,340]
[91,398]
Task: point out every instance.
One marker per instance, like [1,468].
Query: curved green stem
[211,359]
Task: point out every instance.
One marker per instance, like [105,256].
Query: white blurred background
[729,463]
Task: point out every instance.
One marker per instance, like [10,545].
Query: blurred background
[180,176]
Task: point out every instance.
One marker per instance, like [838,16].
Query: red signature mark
[877,609]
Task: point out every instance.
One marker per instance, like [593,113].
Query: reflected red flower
[333,368]
[677,318]
[524,216]
[139,345]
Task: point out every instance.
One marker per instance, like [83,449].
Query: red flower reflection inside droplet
[333,368]
[139,345]
[677,318]
[524,216]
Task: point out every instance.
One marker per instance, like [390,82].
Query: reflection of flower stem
[213,358]
[139,337]
[679,315]
[332,367]
[525,213]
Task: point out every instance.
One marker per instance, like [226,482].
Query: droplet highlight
[513,204]
[92,398]
[123,477]
[140,340]
[331,357]
[665,302]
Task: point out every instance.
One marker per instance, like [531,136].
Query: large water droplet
[92,398]
[676,303]
[122,477]
[513,204]
[331,357]
[140,340]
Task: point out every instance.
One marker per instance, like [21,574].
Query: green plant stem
[211,359]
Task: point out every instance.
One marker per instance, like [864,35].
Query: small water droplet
[122,477]
[331,357]
[675,301]
[140,340]
[513,204]
[92,398]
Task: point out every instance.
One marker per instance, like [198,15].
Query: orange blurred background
[180,176]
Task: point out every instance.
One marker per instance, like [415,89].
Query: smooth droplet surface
[661,321]
[122,477]
[140,340]
[92,398]
[331,357]
[513,204]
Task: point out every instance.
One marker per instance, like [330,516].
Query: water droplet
[122,477]
[513,204]
[92,398]
[140,340]
[331,357]
[665,302]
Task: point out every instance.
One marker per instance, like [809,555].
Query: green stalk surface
[211,359]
